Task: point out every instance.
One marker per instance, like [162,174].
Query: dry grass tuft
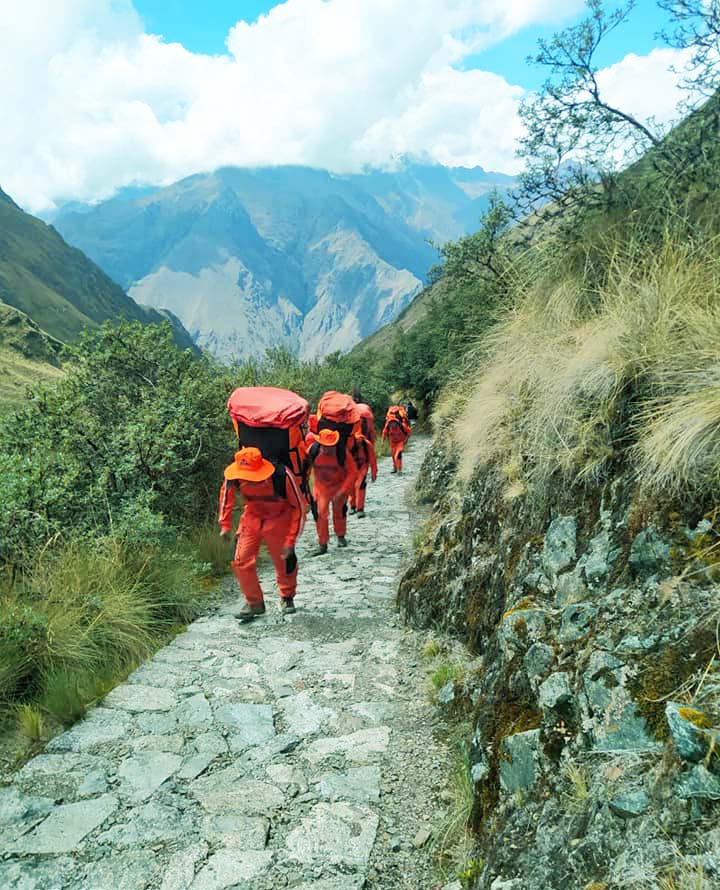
[580,373]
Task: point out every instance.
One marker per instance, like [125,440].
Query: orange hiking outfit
[364,455]
[397,432]
[334,474]
[274,514]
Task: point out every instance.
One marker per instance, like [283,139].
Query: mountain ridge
[250,258]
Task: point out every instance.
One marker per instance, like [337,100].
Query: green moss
[667,672]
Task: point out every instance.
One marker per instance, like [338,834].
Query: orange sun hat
[328,437]
[249,465]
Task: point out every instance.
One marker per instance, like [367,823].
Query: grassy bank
[84,614]
[612,362]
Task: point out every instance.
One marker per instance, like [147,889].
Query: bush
[85,614]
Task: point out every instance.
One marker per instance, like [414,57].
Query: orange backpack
[271,419]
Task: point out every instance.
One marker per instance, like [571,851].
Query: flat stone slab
[230,830]
[334,834]
[35,874]
[374,711]
[66,826]
[303,715]
[129,870]
[138,698]
[141,774]
[67,776]
[194,711]
[148,824]
[230,867]
[359,746]
[102,726]
[180,872]
[361,785]
[19,813]
[245,797]
[250,724]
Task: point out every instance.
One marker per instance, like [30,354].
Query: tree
[696,27]
[576,139]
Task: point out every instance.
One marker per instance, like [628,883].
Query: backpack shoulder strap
[278,480]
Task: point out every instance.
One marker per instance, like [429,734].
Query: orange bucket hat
[249,465]
[328,437]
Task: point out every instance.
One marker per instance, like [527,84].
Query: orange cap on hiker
[249,465]
[328,437]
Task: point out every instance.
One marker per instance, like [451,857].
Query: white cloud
[95,103]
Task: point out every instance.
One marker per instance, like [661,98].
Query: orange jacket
[364,455]
[329,472]
[263,502]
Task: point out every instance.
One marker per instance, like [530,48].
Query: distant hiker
[411,411]
[274,514]
[333,466]
[363,452]
[397,432]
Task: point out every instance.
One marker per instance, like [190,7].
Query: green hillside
[28,355]
[56,285]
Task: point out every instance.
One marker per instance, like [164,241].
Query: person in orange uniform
[397,432]
[334,479]
[364,454]
[274,514]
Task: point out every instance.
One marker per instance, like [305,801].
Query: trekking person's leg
[322,499]
[274,534]
[244,564]
[360,491]
[340,511]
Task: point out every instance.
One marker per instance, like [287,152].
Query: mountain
[56,285]
[253,258]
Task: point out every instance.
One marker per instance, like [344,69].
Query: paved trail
[293,752]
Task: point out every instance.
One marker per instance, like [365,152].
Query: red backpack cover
[270,419]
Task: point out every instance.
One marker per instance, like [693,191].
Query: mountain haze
[253,258]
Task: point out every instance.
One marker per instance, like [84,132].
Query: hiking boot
[341,541]
[361,514]
[353,510]
[287,605]
[321,550]
[249,611]
[393,470]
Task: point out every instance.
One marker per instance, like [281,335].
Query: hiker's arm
[373,460]
[297,514]
[226,506]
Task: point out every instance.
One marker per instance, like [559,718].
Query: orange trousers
[253,531]
[324,497]
[397,449]
[357,496]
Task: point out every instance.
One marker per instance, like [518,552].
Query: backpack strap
[278,480]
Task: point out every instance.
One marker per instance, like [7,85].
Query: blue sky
[203,28]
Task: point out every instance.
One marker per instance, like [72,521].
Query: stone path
[296,751]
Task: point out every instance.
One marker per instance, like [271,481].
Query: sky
[103,94]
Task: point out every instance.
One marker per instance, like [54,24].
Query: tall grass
[84,614]
[617,360]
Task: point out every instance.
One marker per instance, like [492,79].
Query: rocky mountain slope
[254,258]
[56,285]
[27,354]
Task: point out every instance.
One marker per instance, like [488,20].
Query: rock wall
[594,756]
